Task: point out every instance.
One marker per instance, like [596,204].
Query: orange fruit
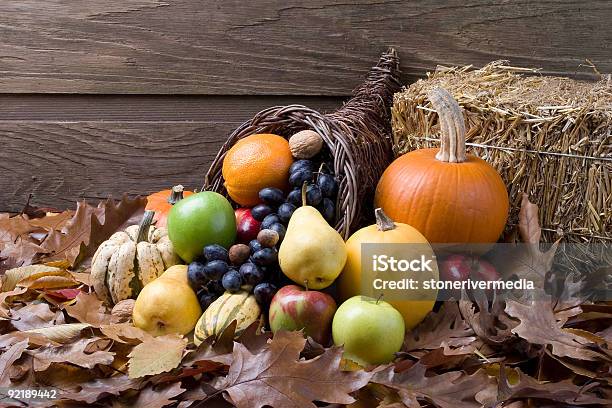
[256,162]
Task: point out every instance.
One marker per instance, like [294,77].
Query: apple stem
[383,222]
[304,194]
[379,298]
[176,195]
[306,284]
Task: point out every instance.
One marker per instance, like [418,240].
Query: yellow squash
[240,306]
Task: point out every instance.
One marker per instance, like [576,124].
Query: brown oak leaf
[538,325]
[278,378]
[71,353]
[453,389]
[443,329]
[89,227]
[88,309]
[562,391]
[98,388]
[490,323]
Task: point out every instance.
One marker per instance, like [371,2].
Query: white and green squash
[130,259]
[240,306]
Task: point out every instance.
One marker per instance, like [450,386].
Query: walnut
[305,144]
[122,311]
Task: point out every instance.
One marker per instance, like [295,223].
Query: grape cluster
[254,267]
[243,267]
[321,191]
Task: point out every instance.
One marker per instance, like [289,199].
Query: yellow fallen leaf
[156,355]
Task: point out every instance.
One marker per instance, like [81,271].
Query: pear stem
[176,195]
[383,222]
[379,298]
[304,203]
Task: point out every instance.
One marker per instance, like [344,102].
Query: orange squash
[385,231]
[450,197]
[162,201]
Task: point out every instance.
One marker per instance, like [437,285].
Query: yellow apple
[166,306]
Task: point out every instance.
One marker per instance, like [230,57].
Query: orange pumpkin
[162,201]
[418,303]
[450,197]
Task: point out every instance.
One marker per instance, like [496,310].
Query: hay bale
[549,137]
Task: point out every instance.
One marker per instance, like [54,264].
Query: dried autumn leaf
[89,227]
[564,392]
[276,376]
[539,326]
[88,309]
[21,252]
[125,333]
[445,328]
[96,389]
[56,281]
[52,222]
[158,396]
[32,316]
[4,296]
[73,353]
[60,295]
[8,358]
[156,355]
[490,323]
[6,340]
[60,333]
[15,275]
[453,389]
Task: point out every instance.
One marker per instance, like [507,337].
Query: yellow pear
[312,253]
[176,272]
[166,306]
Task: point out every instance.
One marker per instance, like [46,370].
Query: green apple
[371,330]
[201,219]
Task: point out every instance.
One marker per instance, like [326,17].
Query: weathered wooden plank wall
[94,96]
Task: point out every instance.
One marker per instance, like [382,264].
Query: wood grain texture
[62,148]
[149,108]
[60,163]
[282,47]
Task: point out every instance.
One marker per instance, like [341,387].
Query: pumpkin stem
[176,195]
[383,222]
[452,126]
[143,227]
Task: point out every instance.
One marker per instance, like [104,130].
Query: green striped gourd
[240,306]
[130,259]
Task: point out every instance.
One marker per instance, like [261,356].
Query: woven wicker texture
[357,137]
[548,137]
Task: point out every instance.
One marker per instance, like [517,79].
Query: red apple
[462,267]
[296,308]
[247,227]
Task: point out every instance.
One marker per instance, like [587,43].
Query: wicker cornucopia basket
[357,138]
